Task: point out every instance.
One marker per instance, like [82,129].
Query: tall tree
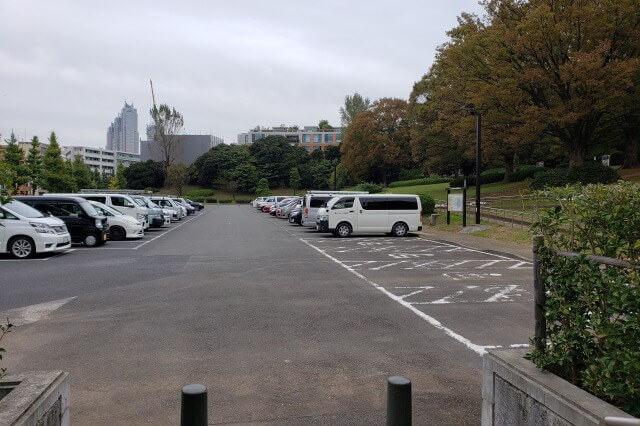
[56,177]
[177,177]
[263,188]
[148,174]
[353,105]
[376,143]
[15,159]
[118,181]
[294,179]
[82,173]
[324,125]
[168,125]
[34,165]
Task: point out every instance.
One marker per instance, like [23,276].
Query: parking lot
[467,293]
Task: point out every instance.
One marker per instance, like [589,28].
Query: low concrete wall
[516,392]
[38,399]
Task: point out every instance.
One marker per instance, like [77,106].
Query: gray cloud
[68,66]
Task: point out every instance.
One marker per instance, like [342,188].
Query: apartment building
[104,161]
[310,138]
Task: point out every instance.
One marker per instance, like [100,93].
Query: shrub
[194,193]
[225,201]
[422,181]
[210,200]
[488,176]
[243,200]
[409,174]
[585,174]
[525,172]
[372,188]
[592,310]
[428,203]
[197,199]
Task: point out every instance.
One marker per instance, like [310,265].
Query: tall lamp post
[472,110]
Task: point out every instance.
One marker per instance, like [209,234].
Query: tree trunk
[576,155]
[509,160]
[631,148]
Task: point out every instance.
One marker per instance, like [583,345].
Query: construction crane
[153,98]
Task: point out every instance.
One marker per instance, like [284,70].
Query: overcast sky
[226,66]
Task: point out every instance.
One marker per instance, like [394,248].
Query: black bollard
[399,401]
[194,406]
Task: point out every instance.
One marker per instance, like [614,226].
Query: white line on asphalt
[469,248]
[387,265]
[30,314]
[501,294]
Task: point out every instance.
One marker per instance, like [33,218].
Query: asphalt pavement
[283,325]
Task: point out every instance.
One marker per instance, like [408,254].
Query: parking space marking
[40,259]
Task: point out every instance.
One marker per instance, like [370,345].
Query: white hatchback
[24,231]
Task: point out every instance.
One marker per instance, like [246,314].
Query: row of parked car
[345,212]
[52,222]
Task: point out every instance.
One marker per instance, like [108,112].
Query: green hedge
[592,310]
[210,200]
[243,200]
[428,203]
[422,181]
[585,174]
[372,188]
[225,201]
[497,175]
[201,193]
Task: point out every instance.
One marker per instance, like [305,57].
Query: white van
[123,203]
[24,231]
[313,200]
[389,213]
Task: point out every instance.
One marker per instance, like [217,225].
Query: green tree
[118,181]
[263,188]
[82,173]
[343,178]
[324,125]
[332,152]
[168,125]
[353,105]
[147,174]
[34,165]
[274,157]
[14,158]
[294,179]
[7,174]
[56,176]
[177,177]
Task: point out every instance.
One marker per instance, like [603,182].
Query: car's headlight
[42,228]
[141,216]
[99,223]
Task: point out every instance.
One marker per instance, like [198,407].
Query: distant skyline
[69,66]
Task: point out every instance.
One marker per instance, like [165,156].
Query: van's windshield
[22,209]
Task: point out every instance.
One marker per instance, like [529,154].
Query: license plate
[104,237]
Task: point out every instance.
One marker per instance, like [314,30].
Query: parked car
[123,202]
[287,208]
[25,231]
[296,215]
[121,226]
[196,205]
[313,200]
[266,205]
[84,223]
[274,209]
[158,216]
[255,202]
[189,207]
[395,214]
[168,203]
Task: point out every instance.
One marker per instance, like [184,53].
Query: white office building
[104,161]
[310,138]
[122,134]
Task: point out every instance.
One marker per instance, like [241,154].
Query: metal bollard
[398,401]
[193,411]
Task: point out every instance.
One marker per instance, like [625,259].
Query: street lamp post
[472,110]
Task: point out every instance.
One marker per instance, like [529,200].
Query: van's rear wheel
[343,230]
[400,229]
[22,247]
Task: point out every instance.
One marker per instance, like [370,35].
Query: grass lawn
[438,190]
[496,232]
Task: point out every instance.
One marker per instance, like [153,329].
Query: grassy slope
[438,192]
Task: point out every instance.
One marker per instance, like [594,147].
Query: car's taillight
[420,216]
[306,212]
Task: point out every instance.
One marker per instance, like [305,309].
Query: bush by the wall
[428,203]
[592,310]
[585,174]
[422,181]
[372,188]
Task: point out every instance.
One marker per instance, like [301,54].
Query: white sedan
[121,226]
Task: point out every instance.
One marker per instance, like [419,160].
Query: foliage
[241,200]
[34,164]
[56,172]
[353,105]
[343,177]
[146,174]
[592,310]
[488,176]
[376,143]
[6,181]
[410,174]
[118,181]
[177,177]
[225,201]
[168,124]
[422,181]
[263,188]
[199,193]
[585,174]
[14,159]
[525,172]
[324,125]
[371,188]
[332,153]
[294,179]
[4,329]
[81,173]
[428,203]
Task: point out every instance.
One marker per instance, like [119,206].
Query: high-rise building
[123,135]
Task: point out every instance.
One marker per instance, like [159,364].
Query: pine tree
[15,161]
[82,173]
[34,165]
[56,173]
[263,188]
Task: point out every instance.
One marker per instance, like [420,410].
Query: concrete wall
[515,392]
[38,398]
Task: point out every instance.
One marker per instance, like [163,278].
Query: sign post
[457,203]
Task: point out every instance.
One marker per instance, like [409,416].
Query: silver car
[170,204]
[288,208]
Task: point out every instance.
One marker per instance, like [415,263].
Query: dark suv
[84,223]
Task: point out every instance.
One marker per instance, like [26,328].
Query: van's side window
[403,204]
[121,202]
[69,209]
[102,200]
[373,203]
[343,203]
[49,209]
[316,202]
